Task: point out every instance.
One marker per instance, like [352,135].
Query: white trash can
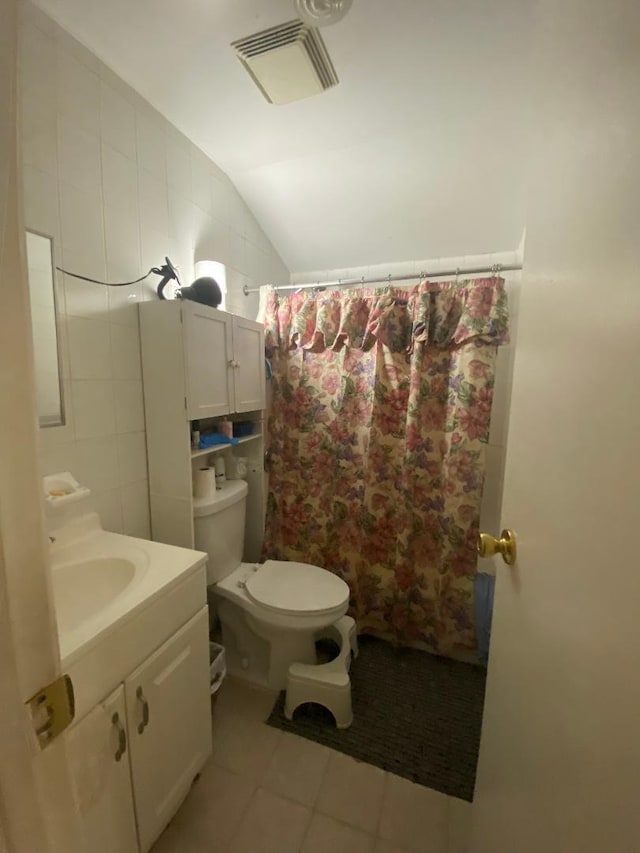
[217,667]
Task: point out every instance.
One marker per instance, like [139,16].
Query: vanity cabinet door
[248,365]
[169,724]
[97,749]
[208,346]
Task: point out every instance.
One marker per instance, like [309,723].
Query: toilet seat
[288,587]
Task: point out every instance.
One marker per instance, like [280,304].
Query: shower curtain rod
[359,282]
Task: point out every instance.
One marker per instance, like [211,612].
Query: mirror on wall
[44,320]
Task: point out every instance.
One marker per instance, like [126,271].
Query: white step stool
[328,684]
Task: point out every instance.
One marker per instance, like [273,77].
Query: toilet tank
[219,528]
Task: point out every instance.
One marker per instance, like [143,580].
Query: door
[560,751]
[37,811]
[99,758]
[169,725]
[249,367]
[208,355]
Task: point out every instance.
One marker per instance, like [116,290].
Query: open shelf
[216,448]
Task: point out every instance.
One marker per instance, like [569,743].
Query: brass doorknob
[506,546]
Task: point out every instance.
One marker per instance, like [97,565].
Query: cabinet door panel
[208,354]
[169,719]
[249,375]
[99,761]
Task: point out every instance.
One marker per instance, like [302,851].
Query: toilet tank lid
[232,492]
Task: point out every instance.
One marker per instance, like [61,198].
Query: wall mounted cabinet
[199,363]
[224,359]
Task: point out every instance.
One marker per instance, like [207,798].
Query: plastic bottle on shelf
[225,427]
[195,435]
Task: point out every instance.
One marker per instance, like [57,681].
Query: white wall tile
[154,246]
[56,458]
[84,298]
[132,457]
[96,463]
[152,194]
[125,352]
[68,44]
[78,92]
[40,198]
[178,165]
[215,245]
[93,408]
[181,255]
[219,199]
[122,243]
[38,128]
[123,301]
[89,348]
[111,79]
[151,147]
[129,407]
[120,180]
[82,231]
[78,157]
[183,216]
[135,510]
[200,181]
[108,505]
[30,15]
[37,62]
[117,121]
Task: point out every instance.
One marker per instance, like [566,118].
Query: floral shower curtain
[380,418]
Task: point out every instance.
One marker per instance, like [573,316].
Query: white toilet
[271,612]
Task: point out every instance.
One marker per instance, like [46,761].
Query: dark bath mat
[414,714]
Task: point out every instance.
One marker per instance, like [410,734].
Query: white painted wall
[118,188]
[496,449]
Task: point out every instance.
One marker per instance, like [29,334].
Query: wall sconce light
[217,271]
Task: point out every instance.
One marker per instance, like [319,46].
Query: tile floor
[267,791]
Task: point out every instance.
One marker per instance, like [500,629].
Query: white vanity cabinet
[169,725]
[98,754]
[135,755]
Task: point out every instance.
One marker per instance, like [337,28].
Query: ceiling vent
[288,62]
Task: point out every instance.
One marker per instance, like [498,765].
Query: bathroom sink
[116,600]
[83,588]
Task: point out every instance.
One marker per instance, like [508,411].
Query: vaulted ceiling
[417,153]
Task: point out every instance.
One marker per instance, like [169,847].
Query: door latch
[52,709]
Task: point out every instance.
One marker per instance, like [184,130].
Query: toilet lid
[296,587]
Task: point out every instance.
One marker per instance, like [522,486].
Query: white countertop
[158,569]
